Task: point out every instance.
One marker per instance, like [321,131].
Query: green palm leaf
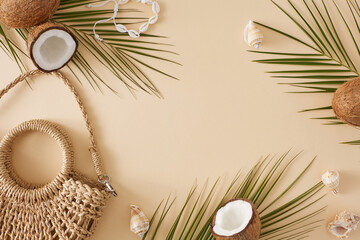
[11,49]
[123,57]
[327,63]
[292,219]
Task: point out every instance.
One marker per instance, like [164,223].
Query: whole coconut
[346,102]
[26,13]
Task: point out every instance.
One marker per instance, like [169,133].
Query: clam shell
[139,223]
[252,35]
[343,224]
[331,179]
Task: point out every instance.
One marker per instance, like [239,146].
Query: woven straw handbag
[69,207]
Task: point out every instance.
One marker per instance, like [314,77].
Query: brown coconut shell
[251,231]
[26,13]
[346,102]
[36,32]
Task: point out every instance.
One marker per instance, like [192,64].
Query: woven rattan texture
[68,208]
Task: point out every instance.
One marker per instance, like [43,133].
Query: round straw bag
[69,207]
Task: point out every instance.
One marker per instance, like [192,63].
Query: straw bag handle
[102,176]
[44,126]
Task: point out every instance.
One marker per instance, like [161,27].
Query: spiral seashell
[331,179]
[252,35]
[139,223]
[343,224]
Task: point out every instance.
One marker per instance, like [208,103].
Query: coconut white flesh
[233,218]
[53,49]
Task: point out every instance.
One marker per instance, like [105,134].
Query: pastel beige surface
[221,117]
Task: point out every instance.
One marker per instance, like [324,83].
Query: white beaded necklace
[120,27]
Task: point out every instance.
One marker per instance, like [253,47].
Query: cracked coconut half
[237,219]
[51,46]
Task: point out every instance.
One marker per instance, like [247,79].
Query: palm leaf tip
[328,59]
[280,220]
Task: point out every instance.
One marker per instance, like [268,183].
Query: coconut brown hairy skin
[346,102]
[36,32]
[251,231]
[26,13]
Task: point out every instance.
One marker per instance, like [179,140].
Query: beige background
[221,117]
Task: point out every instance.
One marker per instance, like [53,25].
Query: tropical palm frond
[123,57]
[11,49]
[328,62]
[281,219]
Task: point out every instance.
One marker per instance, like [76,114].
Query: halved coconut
[51,46]
[346,102]
[237,219]
[26,13]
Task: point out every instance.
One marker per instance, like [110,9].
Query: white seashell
[153,19]
[331,179]
[252,35]
[139,223]
[97,37]
[156,7]
[123,1]
[134,34]
[144,27]
[121,28]
[146,1]
[343,224]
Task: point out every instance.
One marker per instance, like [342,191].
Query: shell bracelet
[120,27]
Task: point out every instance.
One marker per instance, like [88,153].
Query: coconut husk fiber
[26,13]
[252,230]
[346,102]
